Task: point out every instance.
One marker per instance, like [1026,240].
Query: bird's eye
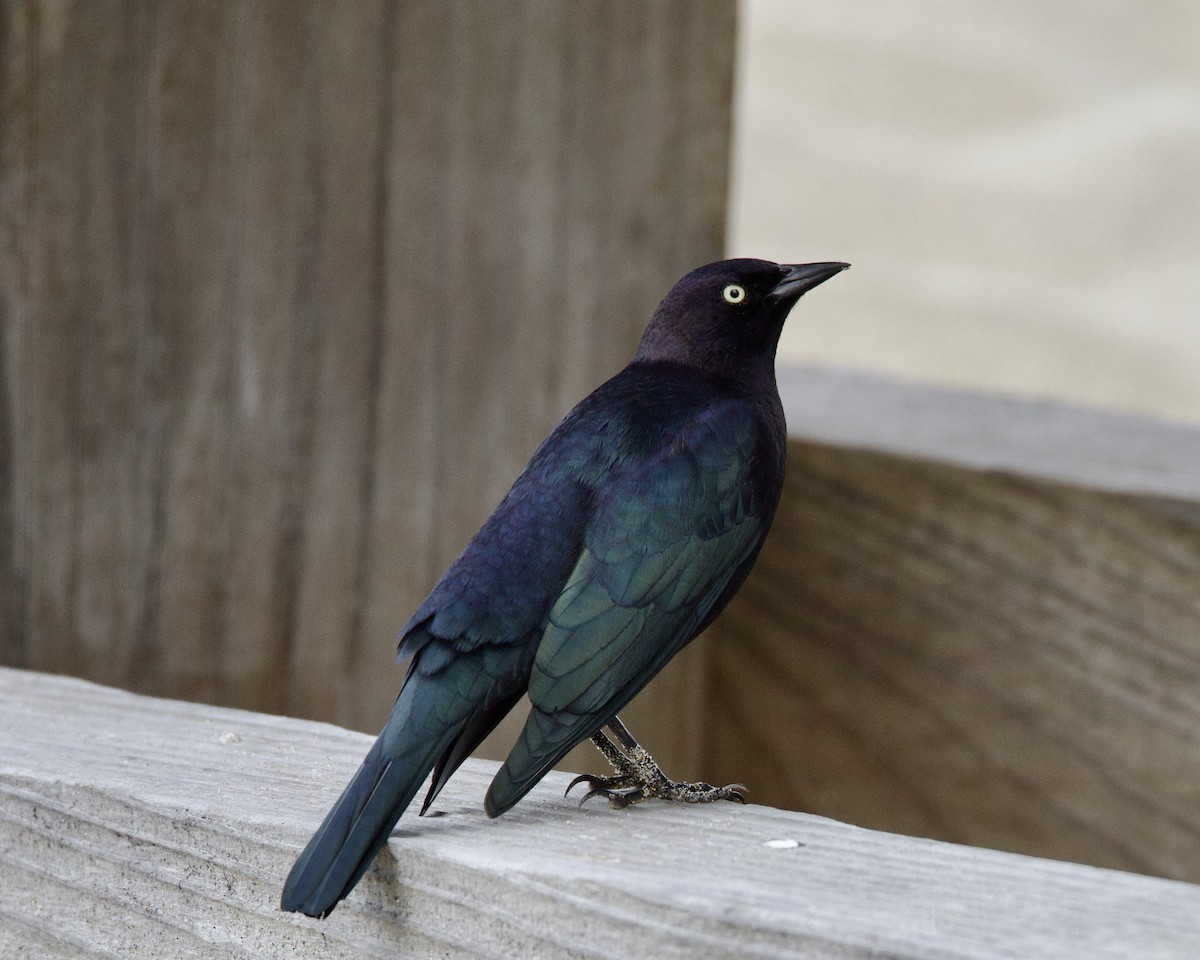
[734,293]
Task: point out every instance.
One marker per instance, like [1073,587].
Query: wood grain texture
[984,652]
[131,826]
[290,294]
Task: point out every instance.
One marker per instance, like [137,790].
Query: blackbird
[633,525]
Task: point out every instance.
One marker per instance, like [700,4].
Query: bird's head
[726,317]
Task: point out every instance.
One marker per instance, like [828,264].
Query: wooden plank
[15,145]
[54,471]
[132,825]
[345,319]
[190,238]
[975,619]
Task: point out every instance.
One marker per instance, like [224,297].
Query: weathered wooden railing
[132,826]
[978,619]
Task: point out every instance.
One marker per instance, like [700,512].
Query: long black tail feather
[359,824]
[354,830]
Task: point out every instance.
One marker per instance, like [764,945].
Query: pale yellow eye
[734,293]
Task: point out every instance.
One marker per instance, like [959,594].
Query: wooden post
[290,294]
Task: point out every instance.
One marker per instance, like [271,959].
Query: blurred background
[290,292]
[1014,181]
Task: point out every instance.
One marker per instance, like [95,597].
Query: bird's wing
[474,637]
[671,538]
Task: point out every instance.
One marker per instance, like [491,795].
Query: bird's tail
[358,825]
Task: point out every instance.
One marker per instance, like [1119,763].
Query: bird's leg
[637,777]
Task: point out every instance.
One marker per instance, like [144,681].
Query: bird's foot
[637,777]
[621,792]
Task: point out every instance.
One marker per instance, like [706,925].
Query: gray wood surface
[975,619]
[290,293]
[132,826]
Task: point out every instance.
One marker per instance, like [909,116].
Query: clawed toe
[600,784]
[582,778]
[731,791]
[702,792]
[617,799]
[616,790]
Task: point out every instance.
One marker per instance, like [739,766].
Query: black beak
[799,278]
